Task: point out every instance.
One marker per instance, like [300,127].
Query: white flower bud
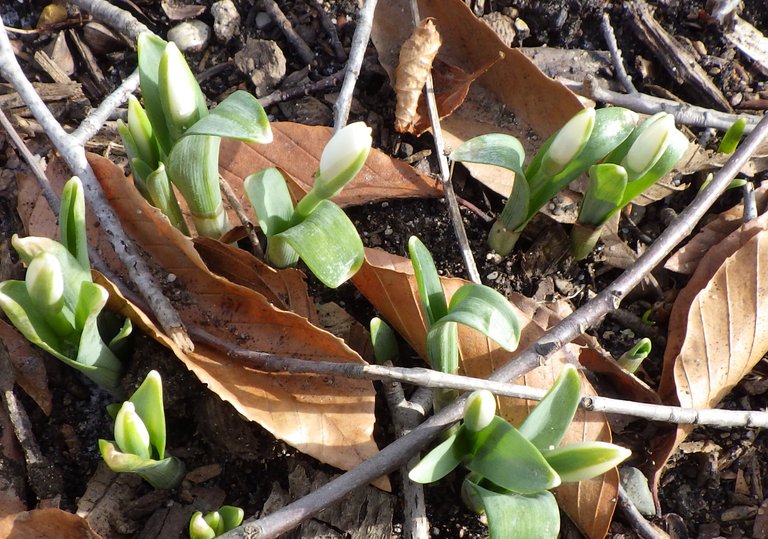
[45,282]
[344,156]
[570,140]
[180,93]
[649,146]
[479,410]
[131,434]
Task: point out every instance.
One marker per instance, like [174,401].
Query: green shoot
[632,358]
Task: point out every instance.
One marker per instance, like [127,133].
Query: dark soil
[712,489]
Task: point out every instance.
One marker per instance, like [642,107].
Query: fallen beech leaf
[415,61]
[718,328]
[685,259]
[28,366]
[296,150]
[512,97]
[45,524]
[387,281]
[330,421]
[286,288]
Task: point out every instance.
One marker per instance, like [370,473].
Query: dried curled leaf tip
[416,56]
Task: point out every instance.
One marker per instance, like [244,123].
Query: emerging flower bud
[45,282]
[131,434]
[479,410]
[343,157]
[649,146]
[180,94]
[141,132]
[569,141]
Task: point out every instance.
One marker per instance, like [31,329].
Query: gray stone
[226,20]
[502,25]
[190,36]
[264,62]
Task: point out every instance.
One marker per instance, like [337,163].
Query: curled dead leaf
[416,56]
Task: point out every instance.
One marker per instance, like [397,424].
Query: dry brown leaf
[28,366]
[286,289]
[45,524]
[513,97]
[330,421]
[296,150]
[718,328]
[415,60]
[685,259]
[387,281]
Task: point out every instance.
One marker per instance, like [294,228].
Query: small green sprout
[584,140]
[477,306]
[215,523]
[650,152]
[513,469]
[58,306]
[384,341]
[175,140]
[139,444]
[317,230]
[632,358]
[733,136]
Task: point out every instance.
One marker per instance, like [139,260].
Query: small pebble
[385,204]
[171,278]
[736,99]
[388,231]
[226,20]
[263,20]
[492,276]
[522,29]
[190,36]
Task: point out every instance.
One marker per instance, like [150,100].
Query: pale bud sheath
[45,282]
[649,146]
[344,156]
[569,141]
[479,410]
[131,435]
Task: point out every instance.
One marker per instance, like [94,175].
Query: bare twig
[330,29]
[394,455]
[750,204]
[356,54]
[684,113]
[323,84]
[234,202]
[96,119]
[117,18]
[274,11]
[74,155]
[639,524]
[445,173]
[618,61]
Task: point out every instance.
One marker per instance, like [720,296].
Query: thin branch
[684,113]
[395,454]
[750,204]
[330,29]
[74,155]
[274,11]
[618,61]
[639,524]
[234,202]
[445,173]
[356,54]
[323,84]
[98,116]
[119,19]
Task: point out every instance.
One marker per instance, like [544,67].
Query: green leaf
[142,132]
[585,460]
[515,213]
[533,516]
[199,528]
[504,456]
[733,136]
[327,242]
[546,425]
[438,463]
[443,346]
[632,358]
[431,291]
[72,221]
[162,196]
[271,200]
[161,474]
[27,318]
[193,167]
[605,192]
[240,116]
[493,149]
[148,399]
[131,435]
[384,341]
[231,516]
[484,309]
[150,49]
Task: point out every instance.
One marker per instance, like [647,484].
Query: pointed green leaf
[240,116]
[199,528]
[328,243]
[271,200]
[72,221]
[546,425]
[438,463]
[384,341]
[443,346]
[484,309]
[508,459]
[533,516]
[161,474]
[163,197]
[492,149]
[431,291]
[148,399]
[150,49]
[585,460]
[142,132]
[515,212]
[733,136]
[231,516]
